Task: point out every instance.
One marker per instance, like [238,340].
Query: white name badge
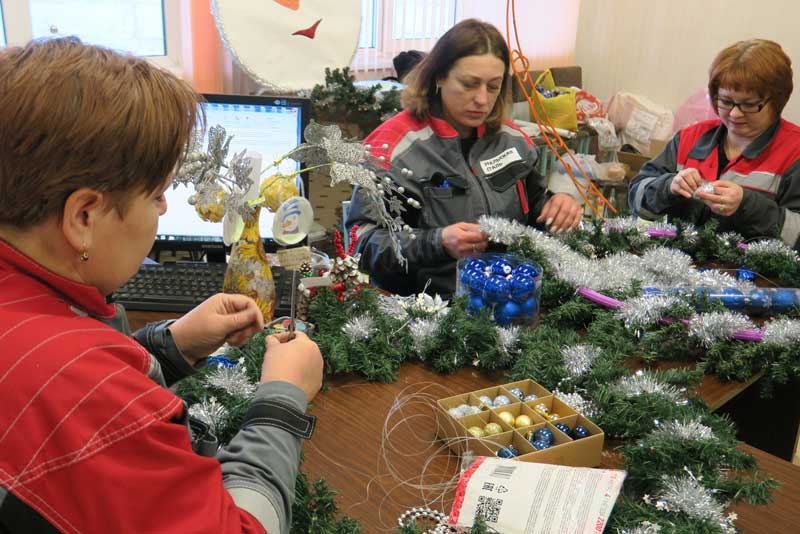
[506,158]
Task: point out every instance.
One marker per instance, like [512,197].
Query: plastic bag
[694,109]
[640,122]
[560,109]
[587,106]
[607,139]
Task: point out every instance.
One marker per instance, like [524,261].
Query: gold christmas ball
[212,211]
[542,409]
[492,428]
[522,420]
[507,417]
[476,431]
[553,416]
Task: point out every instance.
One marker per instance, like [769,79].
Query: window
[147,28]
[2,28]
[391,26]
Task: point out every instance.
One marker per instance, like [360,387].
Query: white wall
[546,28]
[662,48]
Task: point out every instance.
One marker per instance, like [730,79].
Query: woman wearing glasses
[742,168]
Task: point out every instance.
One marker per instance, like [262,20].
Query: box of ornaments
[520,420]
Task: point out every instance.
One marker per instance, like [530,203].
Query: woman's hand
[726,198]
[295,360]
[462,239]
[685,182]
[223,318]
[561,213]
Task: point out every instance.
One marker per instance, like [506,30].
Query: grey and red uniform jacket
[496,177]
[90,442]
[768,170]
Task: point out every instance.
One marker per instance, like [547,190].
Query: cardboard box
[633,161]
[584,452]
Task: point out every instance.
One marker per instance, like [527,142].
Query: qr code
[488,508]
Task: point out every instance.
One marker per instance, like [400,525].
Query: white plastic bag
[640,122]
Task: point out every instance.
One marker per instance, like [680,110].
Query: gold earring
[84,256]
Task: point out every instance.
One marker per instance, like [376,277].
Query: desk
[354,438]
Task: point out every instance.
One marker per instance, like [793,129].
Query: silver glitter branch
[645,527]
[508,337]
[711,327]
[231,379]
[689,430]
[578,359]
[643,382]
[686,494]
[360,328]
[211,412]
[645,311]
[782,332]
[421,331]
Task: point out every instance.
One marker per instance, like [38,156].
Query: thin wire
[590,193]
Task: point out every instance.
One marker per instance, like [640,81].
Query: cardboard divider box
[565,450]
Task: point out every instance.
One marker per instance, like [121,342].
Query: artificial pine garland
[578,350]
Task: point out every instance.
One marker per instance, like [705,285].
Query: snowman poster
[287,44]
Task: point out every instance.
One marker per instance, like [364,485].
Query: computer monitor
[269,125]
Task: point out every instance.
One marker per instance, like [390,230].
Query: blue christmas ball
[220,361]
[465,276]
[505,314]
[495,290]
[562,427]
[543,434]
[507,452]
[539,445]
[475,264]
[526,269]
[522,287]
[732,298]
[745,274]
[651,291]
[529,307]
[475,281]
[784,299]
[759,299]
[501,267]
[579,432]
[475,304]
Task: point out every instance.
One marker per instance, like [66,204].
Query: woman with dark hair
[742,168]
[454,152]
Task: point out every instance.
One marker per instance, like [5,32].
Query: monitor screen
[269,125]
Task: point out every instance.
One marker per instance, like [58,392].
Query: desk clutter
[520,420]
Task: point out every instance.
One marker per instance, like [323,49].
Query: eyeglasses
[745,107]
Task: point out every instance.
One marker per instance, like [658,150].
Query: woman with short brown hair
[743,168]
[92,439]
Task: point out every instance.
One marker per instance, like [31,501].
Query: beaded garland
[417,513]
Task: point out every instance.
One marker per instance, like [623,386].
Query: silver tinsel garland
[578,359]
[686,494]
[771,247]
[211,412]
[690,430]
[398,306]
[782,332]
[233,380]
[359,328]
[711,327]
[644,311]
[643,382]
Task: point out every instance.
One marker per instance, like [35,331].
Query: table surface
[375,443]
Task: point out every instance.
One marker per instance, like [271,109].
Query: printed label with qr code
[488,509]
[533,498]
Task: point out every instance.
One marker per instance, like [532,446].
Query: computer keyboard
[179,287]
